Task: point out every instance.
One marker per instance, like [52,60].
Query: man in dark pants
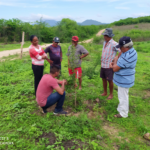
[45,96]
[108,54]
[55,53]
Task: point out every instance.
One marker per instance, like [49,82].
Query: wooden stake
[22,43]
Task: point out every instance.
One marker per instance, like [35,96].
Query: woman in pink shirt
[37,55]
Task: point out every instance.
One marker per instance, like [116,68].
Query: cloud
[140,14]
[37,17]
[120,7]
[10,3]
[83,0]
[98,15]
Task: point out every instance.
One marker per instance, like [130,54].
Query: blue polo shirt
[126,75]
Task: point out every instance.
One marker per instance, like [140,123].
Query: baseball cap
[123,41]
[56,39]
[75,38]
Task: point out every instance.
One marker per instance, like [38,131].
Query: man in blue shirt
[124,76]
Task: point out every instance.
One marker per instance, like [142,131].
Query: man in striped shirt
[124,76]
[108,54]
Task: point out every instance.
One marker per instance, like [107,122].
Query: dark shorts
[107,73]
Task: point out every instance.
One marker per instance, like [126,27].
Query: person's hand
[111,65]
[51,62]
[65,82]
[115,59]
[44,57]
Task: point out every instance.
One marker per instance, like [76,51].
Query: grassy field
[90,126]
[138,33]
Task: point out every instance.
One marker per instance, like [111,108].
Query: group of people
[118,69]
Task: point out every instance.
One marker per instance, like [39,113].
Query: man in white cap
[108,54]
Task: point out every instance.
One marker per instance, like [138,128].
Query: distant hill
[84,23]
[90,22]
[52,22]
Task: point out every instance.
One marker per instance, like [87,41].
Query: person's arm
[114,65]
[47,50]
[50,61]
[61,81]
[61,89]
[119,54]
[60,55]
[36,54]
[84,52]
[84,55]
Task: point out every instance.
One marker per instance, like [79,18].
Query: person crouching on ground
[124,76]
[55,53]
[46,97]
[75,54]
[108,54]
[37,55]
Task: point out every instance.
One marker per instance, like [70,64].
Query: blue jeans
[55,98]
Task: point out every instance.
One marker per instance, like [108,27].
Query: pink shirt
[109,52]
[36,55]
[45,88]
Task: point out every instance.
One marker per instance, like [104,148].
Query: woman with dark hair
[37,55]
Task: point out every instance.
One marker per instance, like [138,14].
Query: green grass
[23,124]
[14,46]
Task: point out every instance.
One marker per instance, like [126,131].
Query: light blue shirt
[126,75]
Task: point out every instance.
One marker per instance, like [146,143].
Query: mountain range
[84,23]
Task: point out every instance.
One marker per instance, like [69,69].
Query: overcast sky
[105,11]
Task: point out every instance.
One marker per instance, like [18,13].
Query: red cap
[75,38]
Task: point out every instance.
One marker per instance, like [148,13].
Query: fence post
[22,43]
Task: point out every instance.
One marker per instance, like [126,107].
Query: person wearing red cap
[74,58]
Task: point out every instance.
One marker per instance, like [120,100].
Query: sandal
[118,116]
[147,136]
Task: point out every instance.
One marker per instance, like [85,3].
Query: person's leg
[80,82]
[111,85]
[60,72]
[102,75]
[123,107]
[60,103]
[52,99]
[78,72]
[37,75]
[41,73]
[109,77]
[105,87]
[50,68]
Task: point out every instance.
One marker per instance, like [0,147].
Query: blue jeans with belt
[55,98]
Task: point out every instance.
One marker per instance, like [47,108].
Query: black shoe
[60,113]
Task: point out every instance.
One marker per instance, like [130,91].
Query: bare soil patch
[75,144]
[91,40]
[16,51]
[50,136]
[147,94]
